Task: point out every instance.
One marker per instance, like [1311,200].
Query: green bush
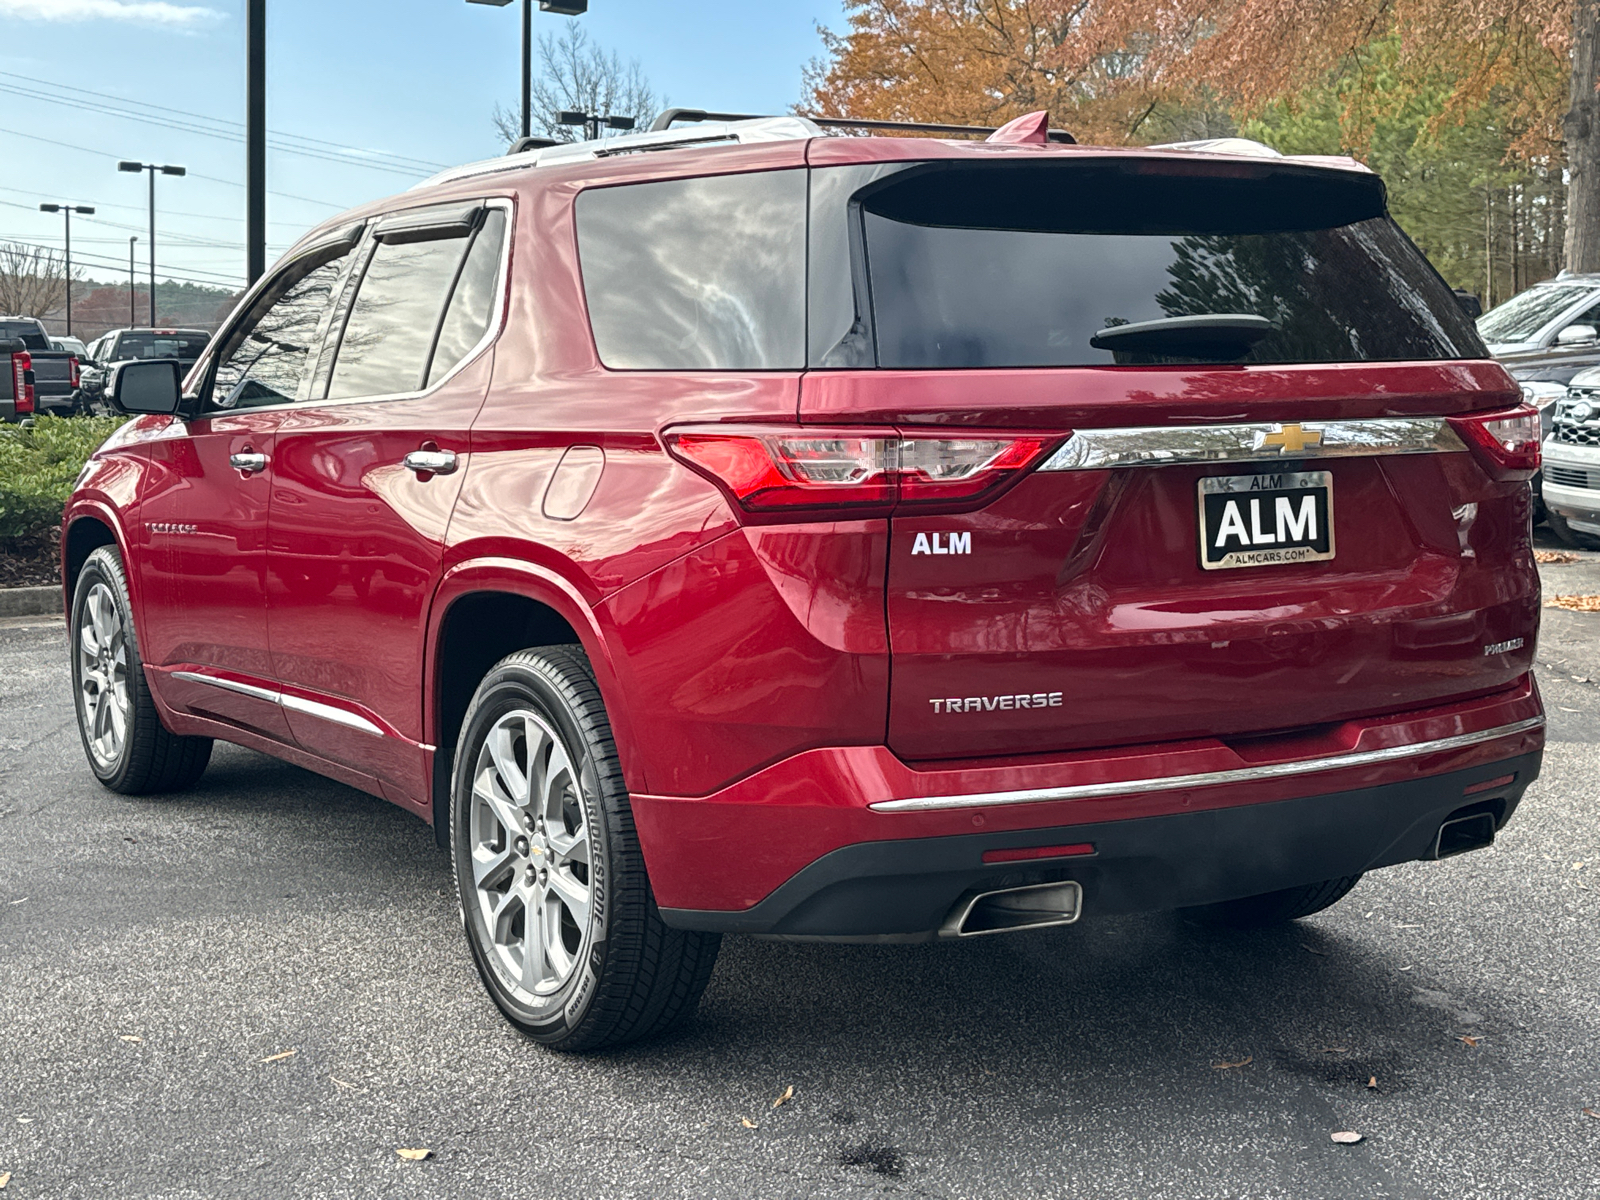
[38,467]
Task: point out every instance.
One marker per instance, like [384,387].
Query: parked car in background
[55,372]
[858,538]
[1571,473]
[125,345]
[72,346]
[1547,333]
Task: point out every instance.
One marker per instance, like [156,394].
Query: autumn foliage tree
[1121,71]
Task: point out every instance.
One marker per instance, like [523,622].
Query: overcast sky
[408,84]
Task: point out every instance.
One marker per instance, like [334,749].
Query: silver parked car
[1572,463]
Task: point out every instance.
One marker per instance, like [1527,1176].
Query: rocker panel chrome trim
[1169,783]
[310,708]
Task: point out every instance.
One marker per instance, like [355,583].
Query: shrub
[38,467]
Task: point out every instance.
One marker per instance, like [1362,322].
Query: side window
[697,274]
[472,304]
[266,361]
[392,324]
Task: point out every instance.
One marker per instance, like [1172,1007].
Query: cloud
[156,12]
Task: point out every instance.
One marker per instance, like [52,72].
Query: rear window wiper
[1209,335]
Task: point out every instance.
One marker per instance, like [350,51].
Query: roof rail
[666,119]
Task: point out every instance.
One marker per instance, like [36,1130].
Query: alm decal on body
[942,543]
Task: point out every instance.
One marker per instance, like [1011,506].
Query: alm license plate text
[1261,520]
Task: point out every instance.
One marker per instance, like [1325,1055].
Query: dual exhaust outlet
[1041,905]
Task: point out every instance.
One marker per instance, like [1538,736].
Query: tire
[1273,908]
[555,900]
[129,749]
[1567,534]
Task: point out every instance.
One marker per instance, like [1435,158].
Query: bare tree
[575,74]
[33,280]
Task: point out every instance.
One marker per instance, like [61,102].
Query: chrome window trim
[1164,445]
[496,327]
[299,704]
[1170,783]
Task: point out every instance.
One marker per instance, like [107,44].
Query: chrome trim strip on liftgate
[1169,783]
[1160,445]
[310,708]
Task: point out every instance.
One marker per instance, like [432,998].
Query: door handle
[430,462]
[248,461]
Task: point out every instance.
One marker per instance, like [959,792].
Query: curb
[30,601]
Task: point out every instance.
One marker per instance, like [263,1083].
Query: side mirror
[1577,335]
[1470,304]
[147,385]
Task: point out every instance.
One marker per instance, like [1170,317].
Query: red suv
[854,538]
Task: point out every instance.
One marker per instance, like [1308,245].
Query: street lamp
[68,209]
[165,170]
[592,122]
[566,8]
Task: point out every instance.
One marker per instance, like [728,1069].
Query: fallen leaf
[414,1155]
[1588,1112]
[1574,603]
[1554,556]
[788,1095]
[1346,1137]
[1579,866]
[1564,708]
[1471,1041]
[344,1084]
[24,900]
[6,1178]
[1314,950]
[280,1057]
[1335,1050]
[130,1037]
[747,1123]
[1228,1066]
[1372,1082]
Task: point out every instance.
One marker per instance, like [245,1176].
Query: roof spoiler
[671,115]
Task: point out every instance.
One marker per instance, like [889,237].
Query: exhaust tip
[1036,906]
[1458,835]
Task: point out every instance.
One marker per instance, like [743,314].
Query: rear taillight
[782,474]
[21,366]
[1505,442]
[73,377]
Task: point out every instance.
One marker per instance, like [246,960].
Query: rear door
[1249,516]
[367,473]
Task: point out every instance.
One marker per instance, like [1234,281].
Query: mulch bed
[30,562]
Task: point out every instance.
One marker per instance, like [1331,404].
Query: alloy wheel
[531,868]
[104,702]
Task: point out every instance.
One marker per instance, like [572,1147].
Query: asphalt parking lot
[260,989]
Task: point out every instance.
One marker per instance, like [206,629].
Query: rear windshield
[1021,267]
[27,332]
[1522,316]
[161,345]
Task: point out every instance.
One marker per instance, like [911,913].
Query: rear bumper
[851,842]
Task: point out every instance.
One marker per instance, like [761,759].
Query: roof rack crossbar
[666,119]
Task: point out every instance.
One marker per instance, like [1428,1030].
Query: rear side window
[1022,267]
[391,328]
[697,274]
[471,309]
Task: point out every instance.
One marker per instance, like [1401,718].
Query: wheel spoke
[504,755]
[555,781]
[535,970]
[489,789]
[87,643]
[489,865]
[570,847]
[102,614]
[571,893]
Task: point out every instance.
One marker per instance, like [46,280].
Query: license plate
[1263,520]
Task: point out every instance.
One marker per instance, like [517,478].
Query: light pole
[165,170]
[566,8]
[133,317]
[68,209]
[255,152]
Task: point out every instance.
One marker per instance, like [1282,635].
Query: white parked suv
[1572,463]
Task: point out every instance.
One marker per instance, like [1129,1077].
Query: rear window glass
[161,345]
[1007,267]
[697,274]
[27,332]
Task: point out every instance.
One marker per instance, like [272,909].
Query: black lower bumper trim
[903,890]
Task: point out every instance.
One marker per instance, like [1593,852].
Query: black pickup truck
[120,345]
[55,372]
